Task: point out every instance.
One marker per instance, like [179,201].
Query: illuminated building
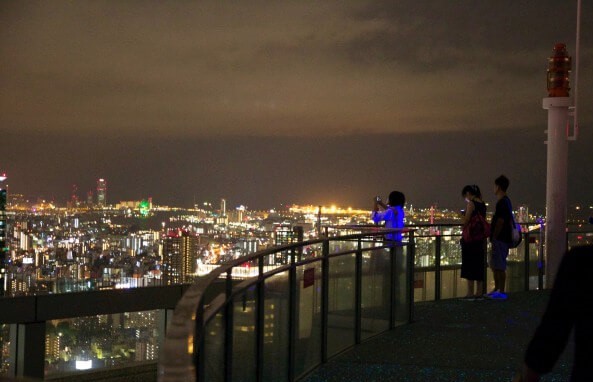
[102,192]
[285,234]
[52,346]
[180,253]
[3,233]
[74,197]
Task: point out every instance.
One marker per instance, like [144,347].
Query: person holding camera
[391,213]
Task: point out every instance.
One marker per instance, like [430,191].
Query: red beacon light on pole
[559,66]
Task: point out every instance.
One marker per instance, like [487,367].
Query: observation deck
[346,306]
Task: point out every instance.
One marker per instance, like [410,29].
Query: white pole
[556,184]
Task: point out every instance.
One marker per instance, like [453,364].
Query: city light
[84,365]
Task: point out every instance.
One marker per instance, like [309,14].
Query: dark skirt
[472,260]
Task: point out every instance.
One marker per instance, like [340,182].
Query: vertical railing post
[410,275]
[437,268]
[324,299]
[228,327]
[541,261]
[526,261]
[393,294]
[260,320]
[358,293]
[292,314]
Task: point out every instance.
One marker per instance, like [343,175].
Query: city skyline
[269,104]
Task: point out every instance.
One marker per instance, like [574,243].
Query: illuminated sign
[84,365]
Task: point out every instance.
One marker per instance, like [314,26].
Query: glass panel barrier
[276,328]
[402,301]
[309,252]
[341,308]
[214,348]
[308,320]
[515,280]
[104,341]
[424,270]
[245,335]
[375,296]
[535,259]
[5,361]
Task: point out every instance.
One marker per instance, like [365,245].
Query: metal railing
[312,322]
[438,262]
[333,293]
[231,337]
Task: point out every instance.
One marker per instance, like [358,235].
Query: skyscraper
[3,233]
[180,253]
[74,202]
[101,192]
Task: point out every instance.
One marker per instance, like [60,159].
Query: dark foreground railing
[284,321]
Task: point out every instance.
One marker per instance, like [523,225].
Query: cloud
[286,68]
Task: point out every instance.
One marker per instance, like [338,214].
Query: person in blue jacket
[391,213]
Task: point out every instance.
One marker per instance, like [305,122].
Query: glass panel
[450,250]
[341,311]
[276,328]
[534,260]
[425,261]
[402,303]
[309,252]
[308,325]
[376,297]
[425,252]
[214,349]
[424,282]
[245,336]
[451,283]
[5,360]
[515,276]
[103,341]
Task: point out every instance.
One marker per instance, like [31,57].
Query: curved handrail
[176,365]
[177,362]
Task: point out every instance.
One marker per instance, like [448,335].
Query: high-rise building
[101,192]
[74,197]
[284,234]
[180,254]
[222,207]
[3,234]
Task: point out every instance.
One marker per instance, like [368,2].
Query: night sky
[265,103]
